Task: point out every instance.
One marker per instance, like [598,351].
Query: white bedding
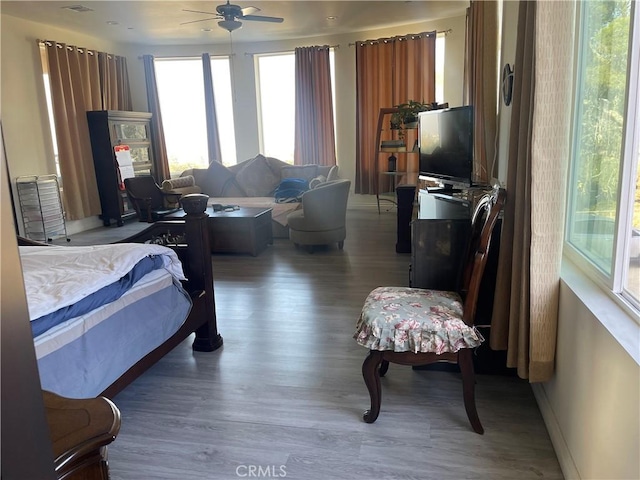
[57,276]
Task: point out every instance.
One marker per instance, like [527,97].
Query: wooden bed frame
[189,237]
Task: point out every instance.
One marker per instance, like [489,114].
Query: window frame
[612,284]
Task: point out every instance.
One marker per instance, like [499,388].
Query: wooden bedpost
[201,276]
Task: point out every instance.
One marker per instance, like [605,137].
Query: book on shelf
[392,143]
[393,149]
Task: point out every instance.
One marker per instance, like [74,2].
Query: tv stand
[443,205]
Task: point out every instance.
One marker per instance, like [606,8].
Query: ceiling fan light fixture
[230,25]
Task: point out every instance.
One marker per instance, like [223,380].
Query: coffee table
[246,230]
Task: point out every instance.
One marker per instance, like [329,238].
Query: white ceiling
[157,22]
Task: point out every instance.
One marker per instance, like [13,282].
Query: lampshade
[230,25]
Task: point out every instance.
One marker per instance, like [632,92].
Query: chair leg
[371,375]
[340,244]
[465,361]
[384,366]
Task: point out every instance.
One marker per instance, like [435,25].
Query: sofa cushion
[317,181]
[257,179]
[213,179]
[232,189]
[276,164]
[299,171]
[239,166]
[332,174]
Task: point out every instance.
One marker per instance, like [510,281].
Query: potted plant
[407,113]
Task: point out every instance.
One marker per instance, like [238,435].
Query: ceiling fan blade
[201,20]
[249,10]
[259,18]
[198,11]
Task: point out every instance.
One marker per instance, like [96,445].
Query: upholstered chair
[321,221]
[147,198]
[414,326]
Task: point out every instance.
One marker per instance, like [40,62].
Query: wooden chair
[413,326]
[147,198]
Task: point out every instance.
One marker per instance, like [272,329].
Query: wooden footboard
[189,237]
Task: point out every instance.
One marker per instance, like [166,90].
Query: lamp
[230,25]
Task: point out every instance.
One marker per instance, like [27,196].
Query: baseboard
[567,465]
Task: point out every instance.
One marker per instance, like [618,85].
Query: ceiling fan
[230,16]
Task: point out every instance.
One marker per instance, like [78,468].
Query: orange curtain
[114,82]
[481,83]
[160,157]
[389,71]
[74,76]
[314,131]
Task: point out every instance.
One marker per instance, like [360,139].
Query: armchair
[147,198]
[321,221]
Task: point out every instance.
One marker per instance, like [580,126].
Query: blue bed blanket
[95,300]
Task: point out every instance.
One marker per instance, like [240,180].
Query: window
[48,99]
[277,103]
[181,94]
[603,221]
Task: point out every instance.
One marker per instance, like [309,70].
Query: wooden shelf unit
[387,181]
[108,129]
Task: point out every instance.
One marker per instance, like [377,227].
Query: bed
[102,315]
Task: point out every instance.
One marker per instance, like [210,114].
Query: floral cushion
[414,320]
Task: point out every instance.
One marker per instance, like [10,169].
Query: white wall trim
[567,464]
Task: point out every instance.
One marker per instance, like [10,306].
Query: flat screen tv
[445,142]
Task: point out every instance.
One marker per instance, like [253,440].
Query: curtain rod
[50,43]
[320,47]
[233,54]
[410,36]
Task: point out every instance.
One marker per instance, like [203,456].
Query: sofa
[253,183]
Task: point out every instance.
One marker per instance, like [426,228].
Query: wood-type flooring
[284,396]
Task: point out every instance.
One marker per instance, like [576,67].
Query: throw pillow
[316,181]
[333,173]
[299,171]
[256,178]
[214,181]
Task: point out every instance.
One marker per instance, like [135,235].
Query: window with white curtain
[181,95]
[603,221]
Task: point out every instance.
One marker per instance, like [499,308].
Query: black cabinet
[108,129]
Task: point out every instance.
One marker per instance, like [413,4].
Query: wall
[27,132]
[591,405]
